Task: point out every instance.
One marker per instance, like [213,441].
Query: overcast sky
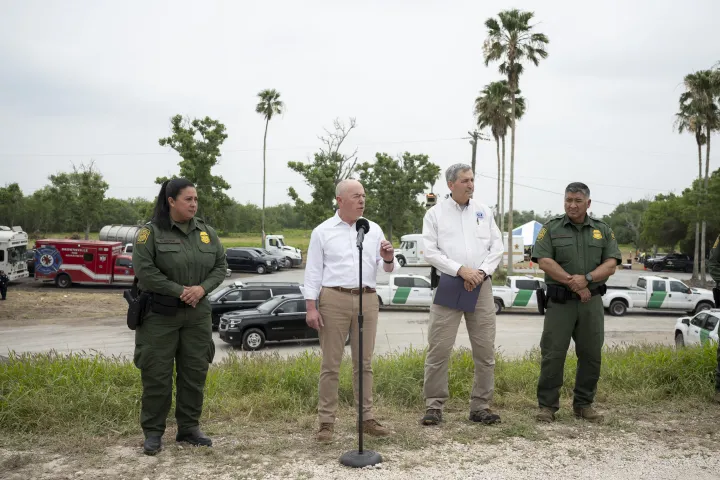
[99,80]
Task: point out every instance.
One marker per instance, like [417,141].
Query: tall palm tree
[702,89]
[268,106]
[492,109]
[511,41]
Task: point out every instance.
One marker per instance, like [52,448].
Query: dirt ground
[631,444]
[41,306]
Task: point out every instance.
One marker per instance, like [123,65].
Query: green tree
[81,193]
[511,42]
[664,222]
[392,187]
[268,106]
[198,142]
[328,168]
[492,109]
[12,203]
[626,222]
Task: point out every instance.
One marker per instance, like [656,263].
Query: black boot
[152,445]
[194,436]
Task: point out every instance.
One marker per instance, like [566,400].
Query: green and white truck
[657,293]
[519,292]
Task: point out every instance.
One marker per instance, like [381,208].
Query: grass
[50,394]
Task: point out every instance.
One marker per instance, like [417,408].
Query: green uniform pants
[585,324]
[184,340]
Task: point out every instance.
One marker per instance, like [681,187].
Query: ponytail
[168,189]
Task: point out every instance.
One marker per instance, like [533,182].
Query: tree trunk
[696,260]
[87,231]
[703,241]
[262,221]
[502,194]
[497,205]
[512,179]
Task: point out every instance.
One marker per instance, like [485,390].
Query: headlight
[235,322]
[269,262]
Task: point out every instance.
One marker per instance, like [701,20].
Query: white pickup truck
[518,292]
[657,293]
[405,290]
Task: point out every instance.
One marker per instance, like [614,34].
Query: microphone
[362,226]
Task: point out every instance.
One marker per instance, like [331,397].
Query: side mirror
[279,311]
[686,321]
[223,300]
[689,291]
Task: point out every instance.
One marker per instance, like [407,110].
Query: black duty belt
[560,293]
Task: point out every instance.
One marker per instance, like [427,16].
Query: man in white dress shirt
[332,299]
[462,239]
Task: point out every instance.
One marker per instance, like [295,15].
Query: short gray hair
[451,174]
[342,186]
[578,187]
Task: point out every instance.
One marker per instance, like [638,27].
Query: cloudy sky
[99,80]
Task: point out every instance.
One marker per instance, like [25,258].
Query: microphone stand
[360,458]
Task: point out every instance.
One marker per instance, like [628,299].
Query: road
[397,329]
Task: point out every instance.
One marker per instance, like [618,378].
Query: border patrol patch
[717,242]
[597,234]
[143,236]
[541,233]
[612,234]
[204,237]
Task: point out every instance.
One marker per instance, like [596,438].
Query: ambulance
[82,261]
[13,245]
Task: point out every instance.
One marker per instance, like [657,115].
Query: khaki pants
[339,312]
[444,323]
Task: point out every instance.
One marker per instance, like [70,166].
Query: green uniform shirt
[165,261]
[713,264]
[579,249]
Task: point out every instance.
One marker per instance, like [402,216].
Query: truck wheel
[401,260]
[657,268]
[702,306]
[618,308]
[498,306]
[253,339]
[380,302]
[288,262]
[261,269]
[63,281]
[679,340]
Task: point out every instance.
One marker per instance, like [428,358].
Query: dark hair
[169,188]
[577,187]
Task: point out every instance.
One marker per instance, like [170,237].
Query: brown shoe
[716,398]
[372,427]
[545,414]
[589,414]
[325,434]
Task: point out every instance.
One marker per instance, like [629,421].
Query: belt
[574,296]
[354,291]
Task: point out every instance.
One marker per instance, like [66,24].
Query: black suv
[280,259]
[249,260]
[245,295]
[672,261]
[280,318]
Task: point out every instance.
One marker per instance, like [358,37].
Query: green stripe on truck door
[522,298]
[656,299]
[401,295]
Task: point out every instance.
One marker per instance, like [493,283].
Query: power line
[598,184]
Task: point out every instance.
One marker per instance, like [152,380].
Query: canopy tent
[529,232]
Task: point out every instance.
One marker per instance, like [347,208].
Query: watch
[588,277]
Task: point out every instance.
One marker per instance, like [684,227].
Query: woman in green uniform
[178,260]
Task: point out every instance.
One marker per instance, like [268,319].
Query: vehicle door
[288,320]
[229,302]
[123,270]
[707,328]
[400,290]
[680,296]
[696,325]
[411,248]
[658,294]
[245,260]
[233,259]
[251,298]
[421,293]
[524,293]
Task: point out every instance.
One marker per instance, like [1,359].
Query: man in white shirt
[331,280]
[462,239]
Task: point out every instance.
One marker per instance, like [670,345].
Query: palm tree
[700,98]
[512,42]
[493,108]
[268,106]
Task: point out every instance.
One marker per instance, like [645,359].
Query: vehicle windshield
[269,305]
[219,293]
[280,242]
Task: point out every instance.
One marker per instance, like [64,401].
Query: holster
[541,300]
[434,278]
[137,305]
[716,296]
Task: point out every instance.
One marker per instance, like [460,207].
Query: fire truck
[82,261]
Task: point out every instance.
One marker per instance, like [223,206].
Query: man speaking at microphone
[332,297]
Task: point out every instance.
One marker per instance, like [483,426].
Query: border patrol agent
[578,254]
[713,267]
[4,281]
[178,260]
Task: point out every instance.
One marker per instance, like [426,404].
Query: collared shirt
[332,258]
[578,249]
[461,235]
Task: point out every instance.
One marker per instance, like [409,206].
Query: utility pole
[474,137]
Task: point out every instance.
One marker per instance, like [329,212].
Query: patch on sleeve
[717,242]
[541,233]
[612,234]
[143,236]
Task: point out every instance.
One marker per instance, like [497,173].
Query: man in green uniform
[713,267]
[180,266]
[578,254]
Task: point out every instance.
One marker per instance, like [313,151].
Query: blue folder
[451,293]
